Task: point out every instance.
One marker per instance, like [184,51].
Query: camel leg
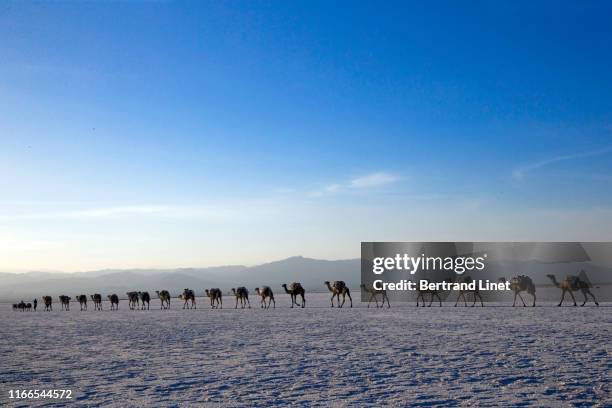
[534,299]
[348,293]
[386,297]
[343,299]
[522,300]
[439,299]
[585,298]
[303,302]
[573,298]
[513,303]
[431,301]
[593,296]
[370,300]
[562,297]
[480,297]
[247,301]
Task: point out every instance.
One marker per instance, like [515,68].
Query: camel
[241,294]
[266,292]
[48,301]
[188,295]
[65,302]
[97,300]
[15,306]
[432,292]
[468,279]
[216,297]
[337,289]
[519,284]
[82,299]
[374,295]
[144,297]
[114,301]
[164,297]
[295,289]
[134,300]
[571,284]
[28,307]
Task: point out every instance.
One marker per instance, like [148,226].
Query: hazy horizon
[243,132]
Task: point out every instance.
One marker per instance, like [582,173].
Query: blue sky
[162,134]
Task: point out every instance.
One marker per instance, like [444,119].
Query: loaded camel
[164,298]
[241,294]
[114,301]
[266,292]
[144,297]
[468,279]
[48,302]
[97,300]
[188,295]
[519,284]
[134,300]
[65,302]
[571,284]
[374,295]
[432,292]
[82,299]
[216,297]
[295,289]
[339,288]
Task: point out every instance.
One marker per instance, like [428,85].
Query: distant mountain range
[310,272]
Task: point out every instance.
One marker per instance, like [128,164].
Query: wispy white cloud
[373,180]
[368,181]
[521,172]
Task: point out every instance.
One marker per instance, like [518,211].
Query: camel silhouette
[144,298]
[339,288]
[295,289]
[97,300]
[423,292]
[374,295]
[65,302]
[216,297]
[164,298]
[82,299]
[266,292]
[48,302]
[242,295]
[188,295]
[468,279]
[520,284]
[133,299]
[114,301]
[571,284]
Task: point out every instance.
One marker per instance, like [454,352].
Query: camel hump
[296,285]
[339,284]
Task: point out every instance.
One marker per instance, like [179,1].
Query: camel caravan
[138,300]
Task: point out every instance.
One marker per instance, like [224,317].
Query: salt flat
[543,356]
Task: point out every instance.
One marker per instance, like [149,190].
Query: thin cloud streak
[520,172]
[368,181]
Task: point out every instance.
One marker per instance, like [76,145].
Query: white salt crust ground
[403,356]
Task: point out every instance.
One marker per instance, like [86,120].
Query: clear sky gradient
[162,134]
